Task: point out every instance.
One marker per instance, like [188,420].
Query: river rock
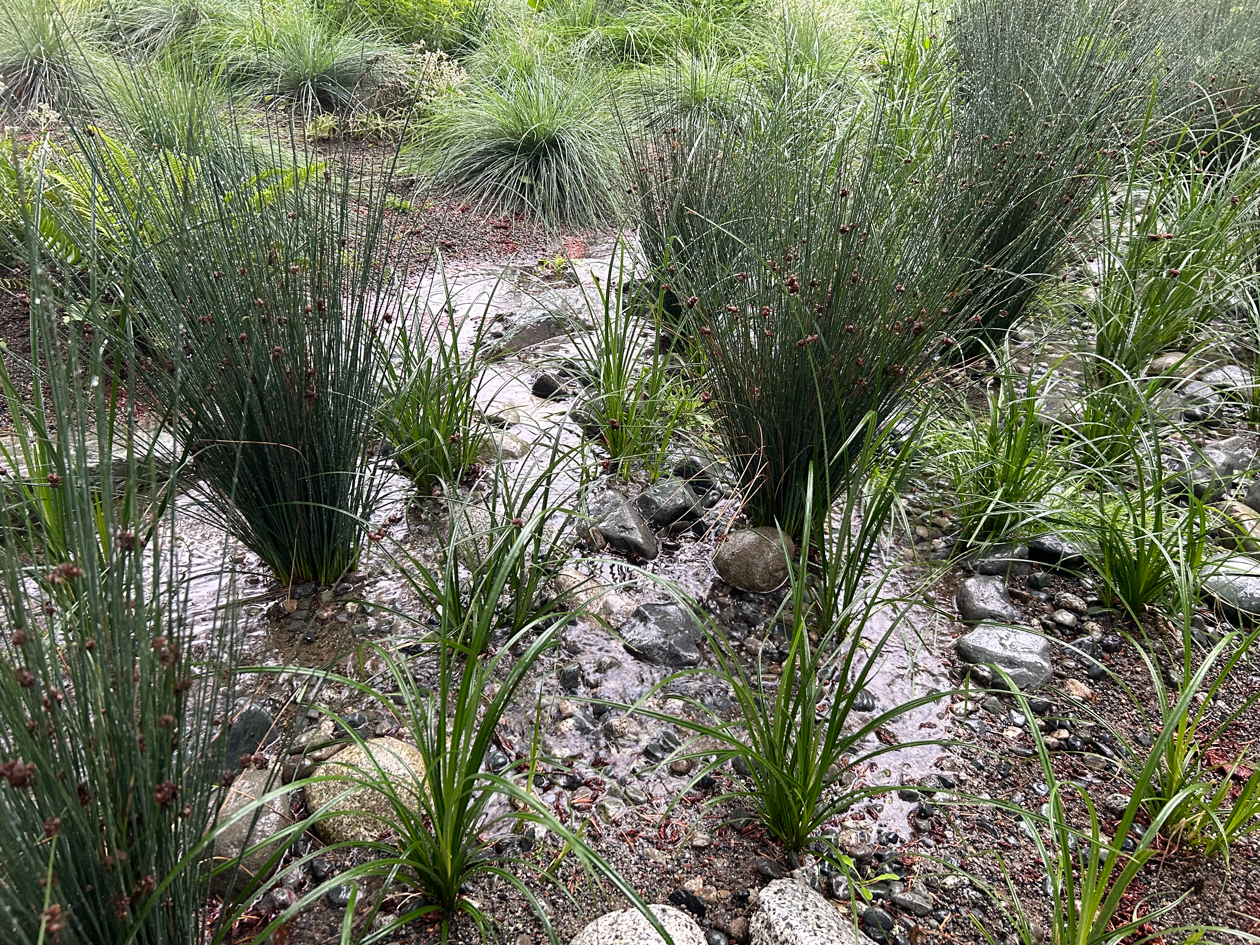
[791,913]
[1005,560]
[250,830]
[1235,582]
[532,330]
[400,763]
[1244,522]
[1233,381]
[621,525]
[1055,551]
[664,634]
[754,559]
[984,598]
[667,501]
[1172,364]
[631,927]
[251,730]
[1023,655]
[501,445]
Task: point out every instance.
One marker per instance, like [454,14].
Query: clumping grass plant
[807,269]
[1004,462]
[285,52]
[430,411]
[108,761]
[797,733]
[454,26]
[1049,92]
[45,56]
[531,138]
[442,819]
[636,401]
[255,322]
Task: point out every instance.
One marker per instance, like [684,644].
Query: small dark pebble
[339,896]
[767,868]
[685,899]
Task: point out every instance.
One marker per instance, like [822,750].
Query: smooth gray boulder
[985,598]
[631,927]
[1023,655]
[791,913]
[621,525]
[1235,582]
[754,559]
[250,830]
[664,634]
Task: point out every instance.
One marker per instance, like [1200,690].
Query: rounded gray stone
[754,559]
[251,830]
[791,913]
[1023,655]
[984,597]
[631,927]
[356,816]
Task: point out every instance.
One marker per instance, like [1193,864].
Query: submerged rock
[664,634]
[667,501]
[533,330]
[621,525]
[754,559]
[1024,656]
[791,913]
[631,927]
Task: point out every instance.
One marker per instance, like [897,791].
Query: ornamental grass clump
[254,323]
[808,271]
[1048,94]
[530,138]
[285,52]
[41,58]
[107,760]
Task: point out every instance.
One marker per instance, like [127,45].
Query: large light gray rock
[791,913]
[1235,582]
[631,927]
[754,559]
[664,634]
[252,829]
[983,598]
[1024,655]
[532,330]
[352,816]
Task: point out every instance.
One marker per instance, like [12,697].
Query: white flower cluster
[44,115]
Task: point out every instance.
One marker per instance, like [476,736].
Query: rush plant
[253,323]
[805,263]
